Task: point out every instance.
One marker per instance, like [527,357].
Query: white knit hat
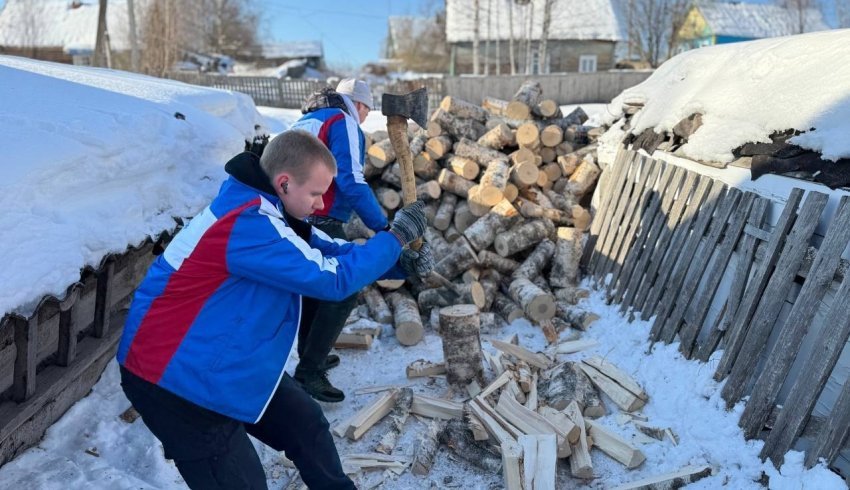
[357,90]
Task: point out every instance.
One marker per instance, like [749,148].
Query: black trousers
[316,338]
[213,451]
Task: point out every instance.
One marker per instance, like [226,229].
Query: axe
[398,109]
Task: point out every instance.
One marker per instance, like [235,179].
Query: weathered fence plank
[834,431]
[615,191]
[608,238]
[774,296]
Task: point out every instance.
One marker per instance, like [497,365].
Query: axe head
[413,105]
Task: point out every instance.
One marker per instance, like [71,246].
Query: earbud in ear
[284,187]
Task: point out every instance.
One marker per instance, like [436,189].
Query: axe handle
[397,131]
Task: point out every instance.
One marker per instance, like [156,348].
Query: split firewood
[609,369]
[536,360]
[523,375]
[584,178]
[458,127]
[511,465]
[425,166]
[530,422]
[407,322]
[381,153]
[436,408]
[454,183]
[654,432]
[492,183]
[498,137]
[463,216]
[532,400]
[526,97]
[552,135]
[580,464]
[575,317]
[422,368]
[565,383]
[570,295]
[548,108]
[364,326]
[479,432]
[462,108]
[537,304]
[484,230]
[460,258]
[512,388]
[507,308]
[494,106]
[451,234]
[522,236]
[550,330]
[429,442]
[614,446]
[571,347]
[371,414]
[459,329]
[624,398]
[458,437]
[568,164]
[565,261]
[353,341]
[481,154]
[465,167]
[397,416]
[389,198]
[445,212]
[536,261]
[490,260]
[438,146]
[676,479]
[539,461]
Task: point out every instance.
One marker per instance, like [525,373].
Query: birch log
[522,237]
[408,324]
[459,330]
[537,304]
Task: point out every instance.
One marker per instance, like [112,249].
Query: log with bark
[584,178]
[397,417]
[459,438]
[565,383]
[522,236]
[526,97]
[497,138]
[460,258]
[438,146]
[464,109]
[427,448]
[445,212]
[481,154]
[459,330]
[381,153]
[407,322]
[495,261]
[536,261]
[492,184]
[465,167]
[454,183]
[507,308]
[564,273]
[458,127]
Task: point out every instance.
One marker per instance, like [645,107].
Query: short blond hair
[295,151]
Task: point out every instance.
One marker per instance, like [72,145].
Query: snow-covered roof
[570,19]
[94,160]
[758,20]
[50,23]
[747,91]
[296,49]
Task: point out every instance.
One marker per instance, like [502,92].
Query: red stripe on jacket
[329,196]
[172,313]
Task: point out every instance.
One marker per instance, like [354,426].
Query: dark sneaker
[318,386]
[331,362]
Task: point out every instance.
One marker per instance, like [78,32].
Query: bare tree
[797,18]
[842,13]
[419,43]
[544,38]
[654,26]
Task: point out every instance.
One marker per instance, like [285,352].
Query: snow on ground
[746,91]
[94,160]
[682,396]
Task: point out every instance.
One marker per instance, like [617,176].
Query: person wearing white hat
[334,116]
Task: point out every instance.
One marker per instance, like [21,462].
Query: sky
[351,32]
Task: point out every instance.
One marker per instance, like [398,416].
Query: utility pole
[100,47]
[134,43]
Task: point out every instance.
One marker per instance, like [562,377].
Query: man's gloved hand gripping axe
[398,109]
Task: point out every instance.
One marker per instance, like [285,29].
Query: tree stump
[408,324]
[459,329]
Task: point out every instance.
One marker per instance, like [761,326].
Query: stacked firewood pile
[507,185]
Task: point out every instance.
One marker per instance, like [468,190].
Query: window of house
[587,63]
[535,61]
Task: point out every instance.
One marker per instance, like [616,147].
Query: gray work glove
[409,222]
[417,262]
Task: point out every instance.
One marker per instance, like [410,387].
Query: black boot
[317,385]
[331,362]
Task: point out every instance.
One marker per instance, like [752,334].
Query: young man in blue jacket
[334,117]
[212,324]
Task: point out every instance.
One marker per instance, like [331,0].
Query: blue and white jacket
[217,314]
[340,132]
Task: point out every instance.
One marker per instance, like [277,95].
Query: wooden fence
[566,88]
[663,240]
[52,358]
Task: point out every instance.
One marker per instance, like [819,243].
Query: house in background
[60,30]
[584,35]
[275,54]
[713,23]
